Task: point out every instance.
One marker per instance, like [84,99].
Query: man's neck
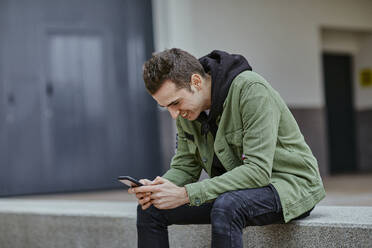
[208,92]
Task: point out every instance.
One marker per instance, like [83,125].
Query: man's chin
[194,116]
[191,118]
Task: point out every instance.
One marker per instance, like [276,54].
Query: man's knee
[225,206]
[150,215]
[225,202]
[234,201]
[233,205]
[144,216]
[225,212]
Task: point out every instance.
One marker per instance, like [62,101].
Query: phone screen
[129,181]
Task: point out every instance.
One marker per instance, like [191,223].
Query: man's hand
[164,194]
[143,198]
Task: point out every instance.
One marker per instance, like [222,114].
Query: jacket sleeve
[260,116]
[184,167]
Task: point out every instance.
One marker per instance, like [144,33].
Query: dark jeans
[228,215]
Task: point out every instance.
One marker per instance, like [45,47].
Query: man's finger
[156,195]
[144,200]
[158,201]
[158,205]
[162,205]
[131,191]
[145,181]
[145,189]
[141,195]
[159,180]
[146,206]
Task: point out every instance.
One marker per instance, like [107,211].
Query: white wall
[280,38]
[341,41]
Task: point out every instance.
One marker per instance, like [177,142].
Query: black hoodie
[223,68]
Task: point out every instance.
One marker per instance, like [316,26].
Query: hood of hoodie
[223,68]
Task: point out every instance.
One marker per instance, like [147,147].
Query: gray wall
[74,113]
[364,140]
[313,126]
[312,122]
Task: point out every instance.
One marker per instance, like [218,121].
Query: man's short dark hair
[173,64]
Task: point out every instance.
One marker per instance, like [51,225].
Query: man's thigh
[258,206]
[182,215]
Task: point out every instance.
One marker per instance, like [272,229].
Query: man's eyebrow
[170,104]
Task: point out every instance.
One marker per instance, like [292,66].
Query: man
[236,127]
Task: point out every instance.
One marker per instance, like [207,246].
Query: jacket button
[197,201]
[204,160]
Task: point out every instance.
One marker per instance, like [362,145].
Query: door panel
[337,69]
[69,118]
[75,95]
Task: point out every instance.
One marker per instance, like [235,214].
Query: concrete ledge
[52,224]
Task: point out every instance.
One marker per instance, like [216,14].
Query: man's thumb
[158,180]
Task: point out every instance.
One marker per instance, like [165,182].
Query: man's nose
[174,112]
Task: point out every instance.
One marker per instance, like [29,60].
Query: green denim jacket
[258,142]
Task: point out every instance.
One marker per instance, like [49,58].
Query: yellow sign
[366,77]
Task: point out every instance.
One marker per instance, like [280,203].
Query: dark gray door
[337,69]
[74,113]
[76,107]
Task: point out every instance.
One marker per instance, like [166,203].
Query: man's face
[181,101]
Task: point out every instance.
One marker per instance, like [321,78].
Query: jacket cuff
[195,193]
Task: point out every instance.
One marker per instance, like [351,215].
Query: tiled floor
[343,190]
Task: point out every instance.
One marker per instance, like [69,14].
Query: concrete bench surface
[70,224]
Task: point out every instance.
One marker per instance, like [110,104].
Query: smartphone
[130,181]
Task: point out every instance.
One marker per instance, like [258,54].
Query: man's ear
[196,81]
